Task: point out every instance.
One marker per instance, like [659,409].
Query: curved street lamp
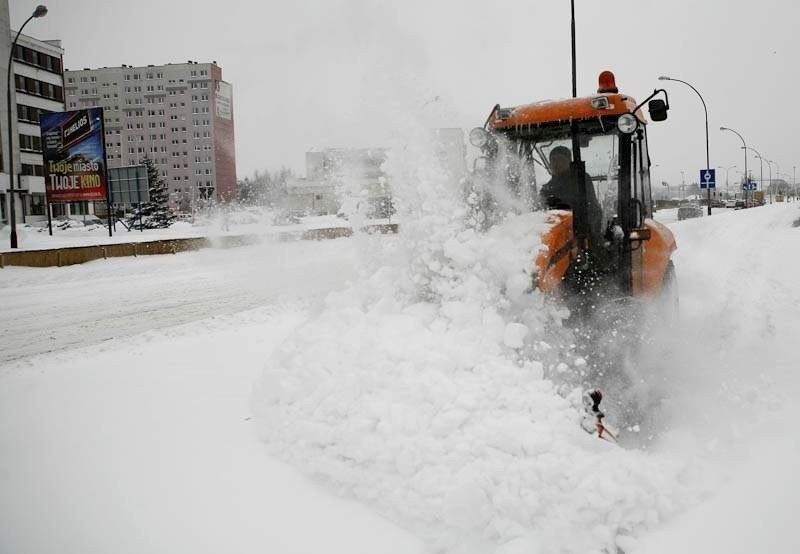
[761,161]
[744,148]
[40,11]
[769,163]
[726,177]
[705,109]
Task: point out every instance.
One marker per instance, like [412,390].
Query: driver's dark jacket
[561,192]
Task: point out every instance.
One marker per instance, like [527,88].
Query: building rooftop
[52,47]
[145,67]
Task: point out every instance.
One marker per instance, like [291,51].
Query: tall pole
[705,109]
[744,149]
[574,69]
[769,163]
[577,168]
[40,11]
[727,192]
[761,162]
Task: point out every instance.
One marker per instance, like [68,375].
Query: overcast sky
[318,73]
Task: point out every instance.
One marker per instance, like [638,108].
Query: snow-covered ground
[244,221]
[143,443]
[406,376]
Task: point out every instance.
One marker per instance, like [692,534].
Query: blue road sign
[751,185]
[708,178]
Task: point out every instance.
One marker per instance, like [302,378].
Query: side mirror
[658,110]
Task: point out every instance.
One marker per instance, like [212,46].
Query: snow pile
[423,391]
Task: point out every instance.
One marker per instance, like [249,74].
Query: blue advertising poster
[73,147]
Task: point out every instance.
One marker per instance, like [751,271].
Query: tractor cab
[586,161]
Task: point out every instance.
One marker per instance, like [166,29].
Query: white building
[39,85]
[332,171]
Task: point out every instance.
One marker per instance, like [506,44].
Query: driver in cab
[561,191]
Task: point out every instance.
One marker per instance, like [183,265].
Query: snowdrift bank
[424,390]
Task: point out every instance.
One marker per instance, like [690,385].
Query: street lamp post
[40,11]
[769,163]
[744,149]
[683,185]
[761,162]
[727,192]
[705,109]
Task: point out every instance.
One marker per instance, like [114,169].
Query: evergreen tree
[155,213]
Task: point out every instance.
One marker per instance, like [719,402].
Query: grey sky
[319,73]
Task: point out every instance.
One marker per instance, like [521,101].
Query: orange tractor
[585,160]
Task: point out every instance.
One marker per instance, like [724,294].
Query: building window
[30,114]
[41,60]
[30,143]
[39,88]
[31,169]
[35,203]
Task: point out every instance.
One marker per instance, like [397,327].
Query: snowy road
[126,425]
[129,431]
[52,309]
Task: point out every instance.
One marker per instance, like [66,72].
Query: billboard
[73,148]
[129,185]
[224,100]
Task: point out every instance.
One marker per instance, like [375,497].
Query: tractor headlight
[627,123]
[478,137]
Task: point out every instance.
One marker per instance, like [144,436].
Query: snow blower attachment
[593,419]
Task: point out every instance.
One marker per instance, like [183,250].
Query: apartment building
[38,84]
[331,170]
[179,115]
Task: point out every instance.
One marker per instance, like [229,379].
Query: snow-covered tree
[265,188]
[156,213]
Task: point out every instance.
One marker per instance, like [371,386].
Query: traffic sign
[751,185]
[708,178]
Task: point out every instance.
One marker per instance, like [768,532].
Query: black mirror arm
[646,100]
[496,107]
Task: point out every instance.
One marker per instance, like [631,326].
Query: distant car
[689,212]
[730,204]
[740,205]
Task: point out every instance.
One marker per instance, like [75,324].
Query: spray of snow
[423,390]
